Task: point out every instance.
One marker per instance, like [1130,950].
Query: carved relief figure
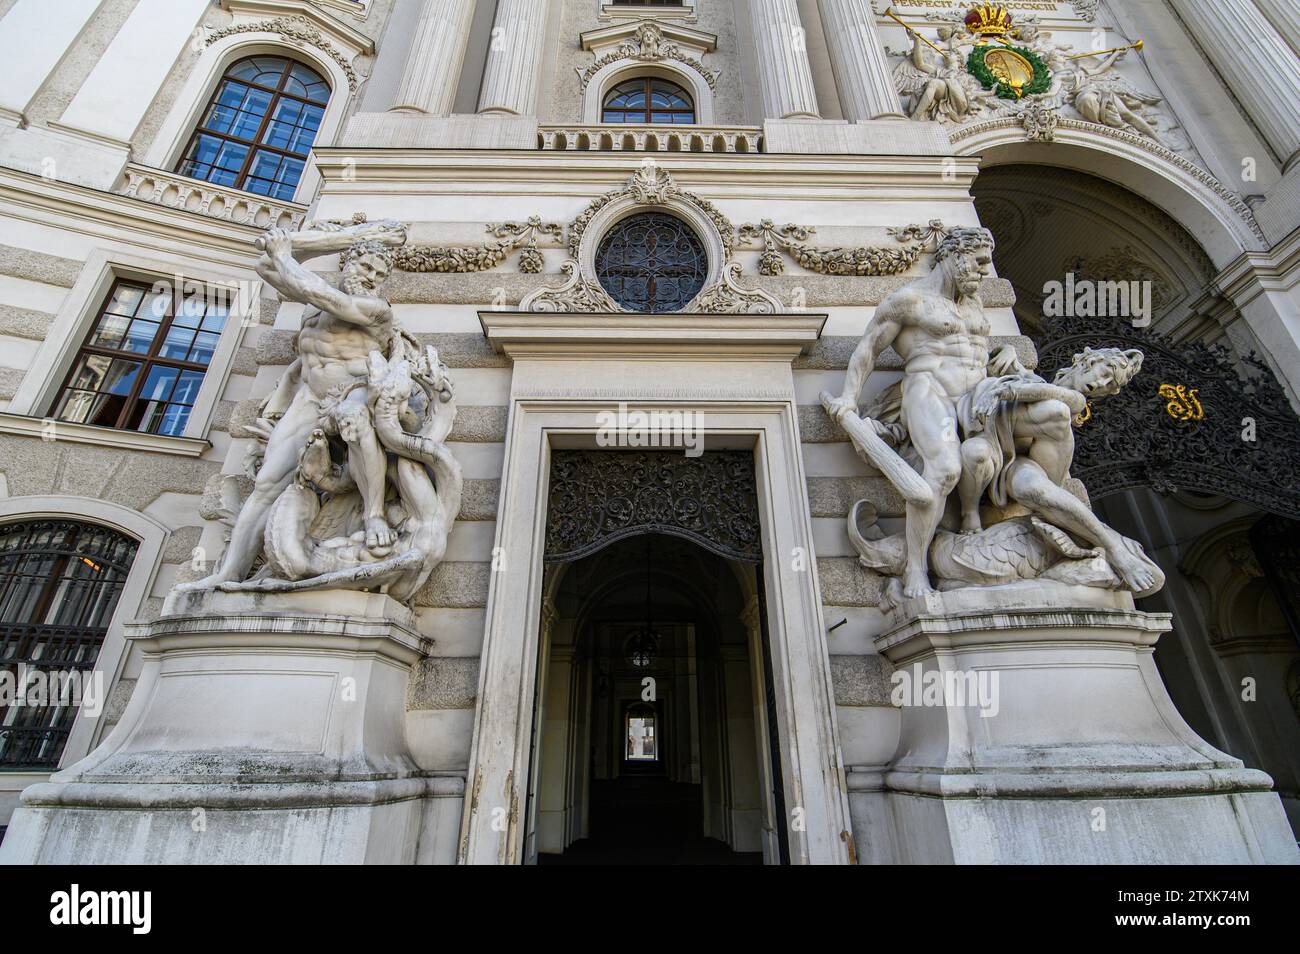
[355,488]
[937,77]
[1103,96]
[939,84]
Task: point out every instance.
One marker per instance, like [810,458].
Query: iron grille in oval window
[59,584]
[651,262]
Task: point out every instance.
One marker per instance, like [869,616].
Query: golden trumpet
[1132,46]
[889,12]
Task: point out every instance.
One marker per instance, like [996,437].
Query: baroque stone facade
[778,182]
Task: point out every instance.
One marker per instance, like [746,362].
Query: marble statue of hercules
[951,390]
[937,326]
[340,328]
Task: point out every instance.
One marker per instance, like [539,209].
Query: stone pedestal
[1081,758]
[263,729]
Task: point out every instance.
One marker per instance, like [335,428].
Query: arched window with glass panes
[257,130]
[648,100]
[60,581]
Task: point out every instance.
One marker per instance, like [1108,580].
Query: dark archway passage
[650,739]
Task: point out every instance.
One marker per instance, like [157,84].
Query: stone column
[1257,65]
[514,59]
[31,45]
[783,70]
[1285,17]
[858,60]
[437,53]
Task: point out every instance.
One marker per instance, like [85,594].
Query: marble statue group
[354,487]
[978,446]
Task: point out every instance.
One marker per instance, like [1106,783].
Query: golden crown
[989,20]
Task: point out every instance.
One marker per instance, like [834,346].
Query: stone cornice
[678,334]
[505,171]
[1251,273]
[105,215]
[103,436]
[354,40]
[698,40]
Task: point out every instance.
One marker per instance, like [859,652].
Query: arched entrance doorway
[653,733]
[1198,458]
[651,744]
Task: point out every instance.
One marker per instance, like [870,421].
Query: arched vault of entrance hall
[1199,203]
[1049,221]
[686,579]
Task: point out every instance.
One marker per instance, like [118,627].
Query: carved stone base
[1082,757]
[263,729]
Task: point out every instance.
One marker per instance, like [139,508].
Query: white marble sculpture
[984,426]
[355,488]
[940,86]
[1101,95]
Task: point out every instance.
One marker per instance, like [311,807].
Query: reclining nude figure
[976,423]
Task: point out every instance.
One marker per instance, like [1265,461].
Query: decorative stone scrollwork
[577,294]
[478,258]
[294,29]
[1039,122]
[598,497]
[646,45]
[1240,439]
[729,298]
[858,260]
[652,185]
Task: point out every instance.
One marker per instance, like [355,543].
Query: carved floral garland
[859,260]
[478,258]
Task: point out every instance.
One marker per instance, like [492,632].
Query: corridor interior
[651,739]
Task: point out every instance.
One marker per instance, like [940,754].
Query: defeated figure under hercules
[986,427]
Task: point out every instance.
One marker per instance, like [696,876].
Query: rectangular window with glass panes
[141,365]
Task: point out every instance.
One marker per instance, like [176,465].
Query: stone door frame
[745,392]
